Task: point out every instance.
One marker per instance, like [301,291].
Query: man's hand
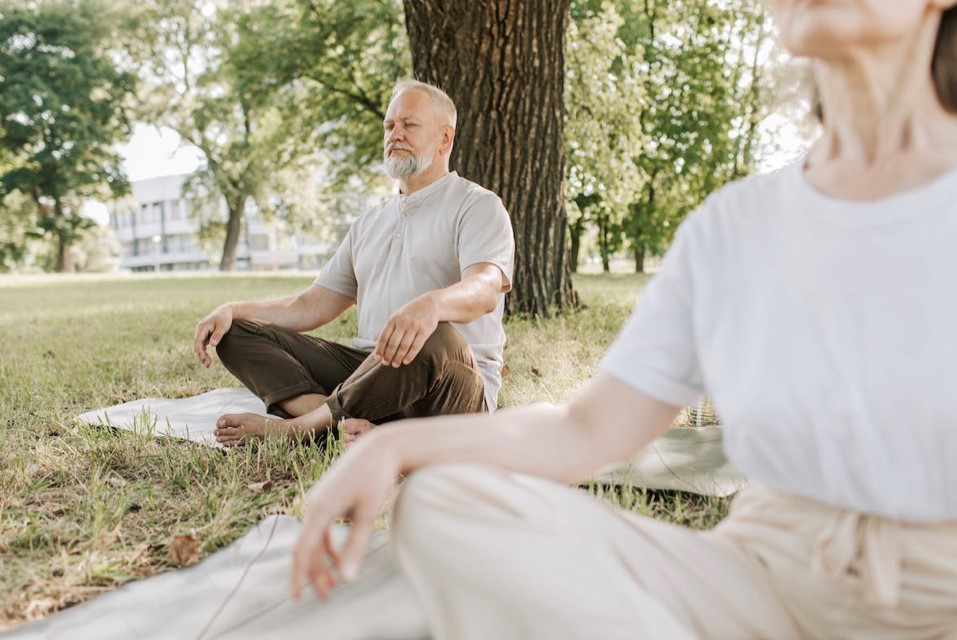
[210,330]
[406,332]
[356,487]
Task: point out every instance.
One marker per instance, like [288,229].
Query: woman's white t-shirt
[825,332]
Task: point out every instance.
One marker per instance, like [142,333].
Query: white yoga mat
[188,418]
[243,592]
[683,459]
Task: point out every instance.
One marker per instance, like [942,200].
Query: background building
[157,232]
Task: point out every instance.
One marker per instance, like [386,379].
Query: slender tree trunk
[503,63]
[233,229]
[64,260]
[575,231]
[603,242]
[639,252]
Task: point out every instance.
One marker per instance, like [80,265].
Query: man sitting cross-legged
[428,270]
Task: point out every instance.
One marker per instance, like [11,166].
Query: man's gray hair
[440,97]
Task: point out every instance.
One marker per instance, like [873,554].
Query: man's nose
[397,134]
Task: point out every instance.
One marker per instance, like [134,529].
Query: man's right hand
[210,330]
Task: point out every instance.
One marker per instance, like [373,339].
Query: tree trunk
[603,244]
[639,250]
[64,261]
[233,228]
[575,231]
[503,63]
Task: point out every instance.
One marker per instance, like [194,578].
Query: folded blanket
[684,458]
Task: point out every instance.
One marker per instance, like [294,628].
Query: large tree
[503,63]
[603,134]
[196,87]
[707,93]
[63,104]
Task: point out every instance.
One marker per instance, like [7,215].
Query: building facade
[157,232]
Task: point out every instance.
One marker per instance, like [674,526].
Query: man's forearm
[284,312]
[467,300]
[312,308]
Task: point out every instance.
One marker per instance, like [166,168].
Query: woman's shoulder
[750,199]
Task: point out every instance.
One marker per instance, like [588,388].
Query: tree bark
[503,63]
[575,230]
[604,248]
[64,260]
[233,229]
[639,252]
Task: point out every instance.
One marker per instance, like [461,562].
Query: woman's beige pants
[495,555]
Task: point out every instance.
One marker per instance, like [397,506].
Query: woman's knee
[433,495]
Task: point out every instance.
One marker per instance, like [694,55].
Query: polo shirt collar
[425,192]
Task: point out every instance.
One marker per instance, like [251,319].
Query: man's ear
[448,136]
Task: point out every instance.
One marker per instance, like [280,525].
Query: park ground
[84,510]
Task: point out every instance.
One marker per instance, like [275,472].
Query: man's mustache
[398,147]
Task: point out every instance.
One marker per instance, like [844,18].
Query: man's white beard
[405,167]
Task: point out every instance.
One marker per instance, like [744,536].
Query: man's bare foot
[236,429]
[352,428]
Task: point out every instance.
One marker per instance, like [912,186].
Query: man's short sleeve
[655,352]
[485,235]
[339,273]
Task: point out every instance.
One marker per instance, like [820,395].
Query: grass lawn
[84,510]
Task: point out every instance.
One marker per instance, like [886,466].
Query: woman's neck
[885,129]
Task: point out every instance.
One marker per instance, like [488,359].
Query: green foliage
[260,87]
[63,104]
[706,95]
[335,64]
[664,101]
[603,134]
[193,87]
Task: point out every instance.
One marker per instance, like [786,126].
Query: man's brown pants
[278,364]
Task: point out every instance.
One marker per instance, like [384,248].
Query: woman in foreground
[816,305]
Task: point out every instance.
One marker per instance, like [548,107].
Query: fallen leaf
[39,607]
[259,487]
[184,549]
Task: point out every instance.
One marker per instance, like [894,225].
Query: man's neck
[424,179]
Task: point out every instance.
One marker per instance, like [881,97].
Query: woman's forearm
[566,443]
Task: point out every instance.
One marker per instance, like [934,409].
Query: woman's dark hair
[944,65]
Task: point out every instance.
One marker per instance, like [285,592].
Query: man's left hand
[406,332]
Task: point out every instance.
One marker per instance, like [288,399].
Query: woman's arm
[607,422]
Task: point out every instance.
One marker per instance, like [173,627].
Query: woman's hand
[356,487]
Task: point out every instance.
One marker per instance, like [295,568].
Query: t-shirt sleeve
[655,352]
[339,273]
[485,235]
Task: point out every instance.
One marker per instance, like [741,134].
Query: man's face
[413,134]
